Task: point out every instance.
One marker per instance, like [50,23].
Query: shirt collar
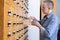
[49,15]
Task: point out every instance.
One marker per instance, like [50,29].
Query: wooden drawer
[7,15]
[7,34]
[7,2]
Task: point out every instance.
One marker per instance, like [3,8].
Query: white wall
[34,9]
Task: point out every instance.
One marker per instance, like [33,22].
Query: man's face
[45,8]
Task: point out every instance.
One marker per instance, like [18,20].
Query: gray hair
[49,3]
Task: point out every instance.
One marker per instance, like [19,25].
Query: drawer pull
[13,32]
[17,31]
[9,34]
[17,39]
[9,23]
[21,23]
[9,12]
[25,27]
[20,16]
[14,15]
[17,15]
[17,3]
[21,1]
[25,32]
[21,7]
[14,23]
[14,1]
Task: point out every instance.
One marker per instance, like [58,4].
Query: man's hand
[31,18]
[34,22]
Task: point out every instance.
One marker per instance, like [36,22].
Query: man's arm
[51,29]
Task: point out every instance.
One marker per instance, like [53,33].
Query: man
[49,24]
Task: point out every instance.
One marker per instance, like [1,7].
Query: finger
[32,17]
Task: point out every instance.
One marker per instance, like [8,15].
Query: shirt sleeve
[51,29]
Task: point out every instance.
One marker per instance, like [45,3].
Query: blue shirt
[50,26]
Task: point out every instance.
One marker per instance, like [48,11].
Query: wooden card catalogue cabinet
[11,22]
